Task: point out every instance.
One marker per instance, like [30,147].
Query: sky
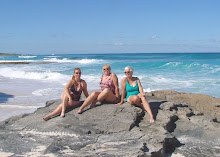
[109,26]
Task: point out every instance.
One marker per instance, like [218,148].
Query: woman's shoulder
[70,82]
[83,81]
[136,78]
[124,79]
[113,74]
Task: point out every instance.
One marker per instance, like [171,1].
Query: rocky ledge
[186,125]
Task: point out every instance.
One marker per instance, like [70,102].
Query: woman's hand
[142,94]
[70,100]
[151,120]
[119,103]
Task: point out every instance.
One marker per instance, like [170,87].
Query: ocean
[25,87]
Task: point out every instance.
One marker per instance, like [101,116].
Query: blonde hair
[107,66]
[129,68]
[73,77]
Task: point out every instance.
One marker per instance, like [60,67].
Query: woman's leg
[55,112]
[93,103]
[91,99]
[134,99]
[147,107]
[137,99]
[106,95]
[58,110]
[64,104]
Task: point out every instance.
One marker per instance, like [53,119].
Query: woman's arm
[115,81]
[140,86]
[85,88]
[123,88]
[66,89]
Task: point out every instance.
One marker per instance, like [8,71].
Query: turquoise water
[30,85]
[187,72]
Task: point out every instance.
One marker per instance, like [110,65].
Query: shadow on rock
[155,106]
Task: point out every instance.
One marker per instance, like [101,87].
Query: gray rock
[109,130]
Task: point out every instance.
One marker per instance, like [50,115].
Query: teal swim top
[131,90]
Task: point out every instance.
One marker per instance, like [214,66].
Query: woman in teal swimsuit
[135,94]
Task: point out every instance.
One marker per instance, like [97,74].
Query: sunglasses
[106,69]
[77,73]
[128,72]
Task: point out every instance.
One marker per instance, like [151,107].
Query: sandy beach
[17,96]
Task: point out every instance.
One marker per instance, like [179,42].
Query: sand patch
[33,132]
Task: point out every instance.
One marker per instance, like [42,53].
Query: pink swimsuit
[108,84]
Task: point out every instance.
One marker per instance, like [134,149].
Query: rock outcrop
[180,129]
[204,104]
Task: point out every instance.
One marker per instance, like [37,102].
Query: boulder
[109,130]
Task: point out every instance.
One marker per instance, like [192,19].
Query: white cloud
[118,44]
[112,44]
[214,40]
[154,36]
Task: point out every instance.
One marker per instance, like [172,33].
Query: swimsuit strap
[135,81]
[81,87]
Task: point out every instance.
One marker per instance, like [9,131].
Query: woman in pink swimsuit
[71,94]
[109,90]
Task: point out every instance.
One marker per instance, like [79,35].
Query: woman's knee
[142,96]
[62,96]
[65,98]
[134,99]
[106,90]
[94,94]
[103,94]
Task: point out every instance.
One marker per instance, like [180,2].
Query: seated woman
[135,94]
[71,94]
[109,89]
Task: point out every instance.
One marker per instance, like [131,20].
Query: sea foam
[27,56]
[3,61]
[16,73]
[47,91]
[80,61]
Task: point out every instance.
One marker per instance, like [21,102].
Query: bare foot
[151,120]
[93,104]
[46,118]
[80,111]
[62,115]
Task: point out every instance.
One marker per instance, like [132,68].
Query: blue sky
[109,26]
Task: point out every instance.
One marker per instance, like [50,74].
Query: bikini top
[75,94]
[108,84]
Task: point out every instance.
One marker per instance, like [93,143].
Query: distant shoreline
[25,62]
[9,54]
[137,53]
